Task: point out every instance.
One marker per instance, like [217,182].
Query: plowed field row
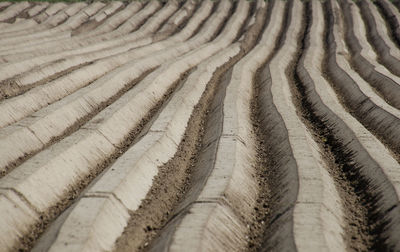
[200,126]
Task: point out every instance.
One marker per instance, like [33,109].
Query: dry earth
[200,126]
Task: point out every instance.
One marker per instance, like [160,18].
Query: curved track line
[172,130]
[88,159]
[388,53]
[392,17]
[13,10]
[130,25]
[95,96]
[372,188]
[385,86]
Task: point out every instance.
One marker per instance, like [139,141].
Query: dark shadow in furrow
[28,242]
[50,234]
[145,3]
[275,164]
[371,203]
[278,168]
[379,45]
[396,3]
[140,24]
[4,7]
[23,14]
[377,120]
[199,27]
[39,13]
[388,89]
[9,88]
[199,148]
[391,20]
[180,5]
[92,40]
[80,122]
[170,27]
[103,105]
[90,25]
[202,168]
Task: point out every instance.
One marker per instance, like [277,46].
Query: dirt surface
[364,168]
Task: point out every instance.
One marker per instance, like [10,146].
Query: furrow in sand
[174,132]
[116,20]
[388,53]
[38,49]
[28,23]
[251,129]
[298,185]
[4,5]
[12,69]
[377,120]
[13,10]
[43,18]
[384,85]
[99,18]
[392,18]
[40,129]
[201,166]
[369,54]
[359,180]
[37,9]
[49,12]
[63,169]
[178,20]
[21,83]
[195,169]
[80,77]
[25,81]
[121,33]
[63,14]
[179,181]
[56,33]
[221,215]
[183,160]
[368,141]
